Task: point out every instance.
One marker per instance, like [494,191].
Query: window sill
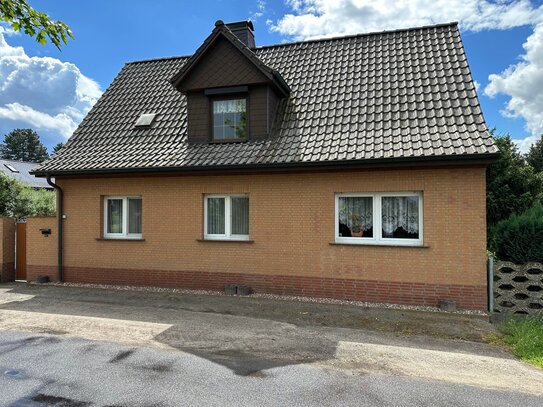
[408,246]
[228,140]
[226,240]
[121,239]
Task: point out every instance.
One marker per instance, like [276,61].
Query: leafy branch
[22,17]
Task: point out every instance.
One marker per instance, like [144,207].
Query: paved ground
[173,349]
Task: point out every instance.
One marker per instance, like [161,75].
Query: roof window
[145,120]
[11,168]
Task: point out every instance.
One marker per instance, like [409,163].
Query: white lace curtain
[400,211]
[229,106]
[356,212]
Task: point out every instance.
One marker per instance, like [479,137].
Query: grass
[524,335]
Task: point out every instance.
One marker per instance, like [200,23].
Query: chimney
[244,30]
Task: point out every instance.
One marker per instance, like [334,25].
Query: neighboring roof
[20,171]
[388,97]
[221,30]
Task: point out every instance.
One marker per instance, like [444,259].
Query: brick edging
[466,296]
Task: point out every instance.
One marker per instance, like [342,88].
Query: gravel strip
[363,304]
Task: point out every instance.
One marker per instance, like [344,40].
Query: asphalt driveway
[79,346]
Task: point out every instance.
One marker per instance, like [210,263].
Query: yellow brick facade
[291,226]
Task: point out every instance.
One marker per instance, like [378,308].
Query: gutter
[468,159]
[60,211]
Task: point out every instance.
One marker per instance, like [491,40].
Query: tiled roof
[22,173]
[390,96]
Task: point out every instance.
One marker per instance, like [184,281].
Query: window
[11,168]
[122,217]
[379,218]
[230,119]
[226,217]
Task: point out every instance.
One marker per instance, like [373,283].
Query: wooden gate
[20,259]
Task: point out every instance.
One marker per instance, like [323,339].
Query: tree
[23,145]
[57,148]
[535,156]
[34,23]
[512,185]
[21,201]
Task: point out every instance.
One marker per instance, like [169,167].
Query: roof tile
[393,94]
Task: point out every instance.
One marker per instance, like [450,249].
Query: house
[350,167]
[21,171]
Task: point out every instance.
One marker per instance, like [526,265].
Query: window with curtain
[122,217]
[230,119]
[400,217]
[226,217]
[379,218]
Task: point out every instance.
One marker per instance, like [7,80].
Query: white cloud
[261,9]
[43,93]
[62,122]
[321,18]
[523,82]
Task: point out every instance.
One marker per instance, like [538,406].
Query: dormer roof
[221,30]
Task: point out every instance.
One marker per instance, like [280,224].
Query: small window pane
[114,216]
[240,216]
[356,217]
[134,215]
[229,119]
[215,216]
[400,217]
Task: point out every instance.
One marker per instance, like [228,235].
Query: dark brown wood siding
[222,65]
[198,114]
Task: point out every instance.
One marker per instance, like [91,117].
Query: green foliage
[22,201]
[8,195]
[512,184]
[57,148]
[520,237]
[34,23]
[525,336]
[23,145]
[535,156]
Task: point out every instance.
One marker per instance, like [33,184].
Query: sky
[51,90]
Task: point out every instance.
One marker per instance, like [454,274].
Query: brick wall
[292,226]
[41,250]
[7,249]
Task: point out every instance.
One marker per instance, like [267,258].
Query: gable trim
[224,31]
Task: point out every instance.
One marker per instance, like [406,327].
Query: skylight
[11,168]
[145,120]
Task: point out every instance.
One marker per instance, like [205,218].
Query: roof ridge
[341,37]
[157,59]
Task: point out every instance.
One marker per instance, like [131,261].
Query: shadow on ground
[245,334]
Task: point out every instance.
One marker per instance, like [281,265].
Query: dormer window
[230,119]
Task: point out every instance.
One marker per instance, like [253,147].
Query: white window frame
[228,218]
[378,238]
[124,234]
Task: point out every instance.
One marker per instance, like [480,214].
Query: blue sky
[51,90]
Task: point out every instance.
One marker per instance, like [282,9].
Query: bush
[520,237]
[22,201]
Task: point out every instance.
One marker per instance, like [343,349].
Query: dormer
[231,95]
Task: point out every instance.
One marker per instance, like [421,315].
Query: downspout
[60,212]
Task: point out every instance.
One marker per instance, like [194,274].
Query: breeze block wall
[7,249]
[292,249]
